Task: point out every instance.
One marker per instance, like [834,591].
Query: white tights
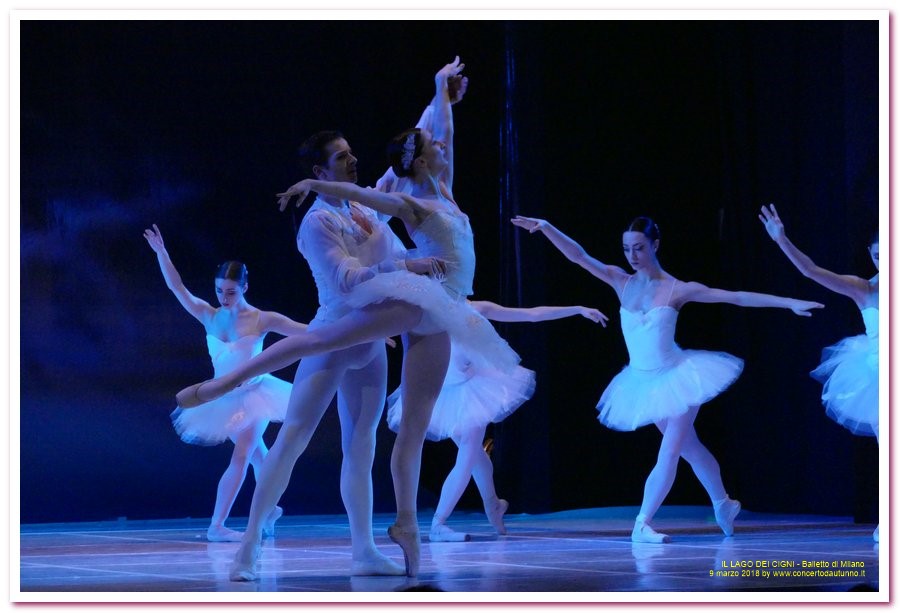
[471,461]
[680,441]
[249,449]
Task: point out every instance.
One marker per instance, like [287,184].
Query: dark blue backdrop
[193,126]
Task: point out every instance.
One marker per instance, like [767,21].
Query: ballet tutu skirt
[261,398]
[662,380]
[471,397]
[849,372]
[444,310]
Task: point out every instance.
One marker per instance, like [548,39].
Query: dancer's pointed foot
[274,515]
[875,534]
[408,539]
[246,563]
[726,510]
[375,563]
[643,533]
[495,515]
[221,534]
[442,533]
[199,393]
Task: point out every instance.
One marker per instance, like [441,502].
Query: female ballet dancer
[849,368]
[663,384]
[428,313]
[234,333]
[470,399]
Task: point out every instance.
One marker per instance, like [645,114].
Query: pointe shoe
[875,534]
[242,570]
[221,534]
[495,515]
[726,511]
[643,533]
[379,565]
[190,397]
[274,515]
[441,533]
[408,539]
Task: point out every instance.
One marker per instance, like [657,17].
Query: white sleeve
[321,242]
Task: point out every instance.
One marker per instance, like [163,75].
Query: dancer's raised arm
[613,275]
[496,312]
[697,292]
[197,307]
[442,129]
[848,285]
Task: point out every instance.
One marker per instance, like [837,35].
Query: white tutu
[468,329]
[471,397]
[262,398]
[849,372]
[636,398]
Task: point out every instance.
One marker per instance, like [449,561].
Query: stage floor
[585,550]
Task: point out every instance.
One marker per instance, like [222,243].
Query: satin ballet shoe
[726,510]
[377,565]
[643,533]
[408,539]
[221,534]
[495,515]
[245,570]
[441,533]
[269,526]
[191,396]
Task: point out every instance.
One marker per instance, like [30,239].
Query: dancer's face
[434,153]
[341,165]
[230,293]
[639,250]
[873,253]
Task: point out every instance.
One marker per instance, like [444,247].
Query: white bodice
[447,235]
[870,318]
[650,337]
[228,355]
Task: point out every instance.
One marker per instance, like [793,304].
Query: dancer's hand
[433,267]
[390,342]
[773,224]
[301,190]
[802,307]
[154,237]
[449,76]
[594,315]
[531,224]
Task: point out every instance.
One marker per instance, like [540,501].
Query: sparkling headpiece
[409,150]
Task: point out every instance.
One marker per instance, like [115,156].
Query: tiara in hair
[409,150]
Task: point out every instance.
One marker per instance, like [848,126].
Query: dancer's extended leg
[245,446]
[360,406]
[373,323]
[424,367]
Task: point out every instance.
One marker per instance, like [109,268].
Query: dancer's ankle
[406,518]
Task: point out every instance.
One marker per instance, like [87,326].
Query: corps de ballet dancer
[234,333]
[849,368]
[663,384]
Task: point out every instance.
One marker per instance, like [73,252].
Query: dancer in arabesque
[663,384]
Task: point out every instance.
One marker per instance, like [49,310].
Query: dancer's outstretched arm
[697,292]
[197,307]
[442,128]
[270,321]
[852,286]
[613,275]
[394,204]
[496,312]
